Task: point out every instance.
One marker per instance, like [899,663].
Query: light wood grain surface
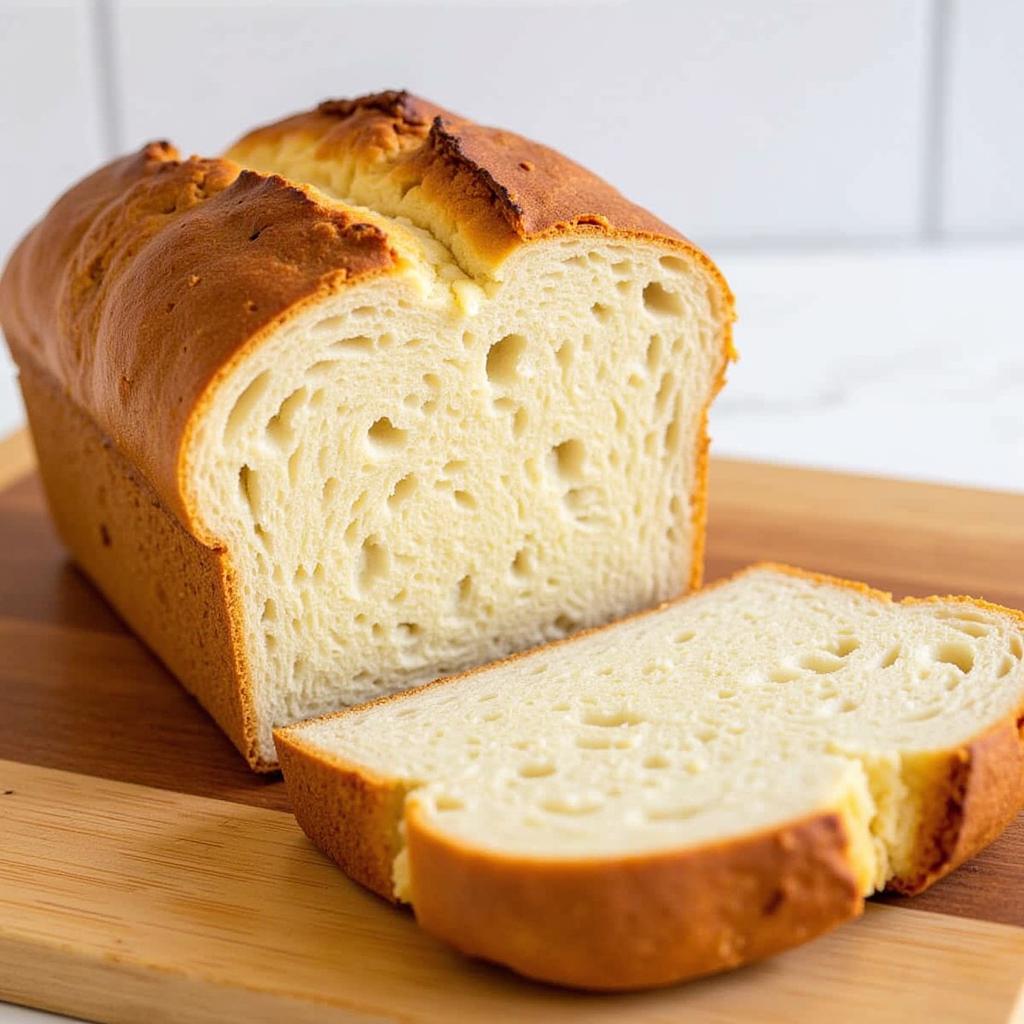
[226,907]
[144,868]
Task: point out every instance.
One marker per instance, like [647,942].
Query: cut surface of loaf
[414,394]
[683,791]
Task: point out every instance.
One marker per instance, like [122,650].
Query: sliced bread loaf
[402,396]
[683,791]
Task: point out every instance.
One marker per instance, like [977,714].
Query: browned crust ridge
[640,921]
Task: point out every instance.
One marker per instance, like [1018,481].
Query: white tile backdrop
[828,153]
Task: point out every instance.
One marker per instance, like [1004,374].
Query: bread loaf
[688,790]
[381,395]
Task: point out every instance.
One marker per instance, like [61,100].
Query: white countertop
[903,363]
[900,363]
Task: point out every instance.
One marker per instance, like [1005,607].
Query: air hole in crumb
[281,427]
[245,403]
[664,395]
[321,369]
[622,268]
[1016,647]
[924,715]
[520,421]
[783,675]
[890,657]
[403,490]
[536,770]
[1005,666]
[602,313]
[974,629]
[503,359]
[844,646]
[613,718]
[464,499]
[568,458]
[654,352]
[656,762]
[960,613]
[385,434]
[247,484]
[571,805]
[373,562]
[821,662]
[521,565]
[464,589]
[957,654]
[685,637]
[620,417]
[408,631]
[329,325]
[330,489]
[675,264]
[564,355]
[565,624]
[659,301]
[449,803]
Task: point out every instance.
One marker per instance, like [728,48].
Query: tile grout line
[934,143]
[105,70]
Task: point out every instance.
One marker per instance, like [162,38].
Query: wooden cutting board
[146,874]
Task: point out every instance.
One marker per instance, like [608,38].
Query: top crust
[533,189]
[147,281]
[492,188]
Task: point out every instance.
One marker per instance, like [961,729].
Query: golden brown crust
[576,922]
[973,792]
[172,590]
[534,189]
[147,280]
[639,921]
[349,813]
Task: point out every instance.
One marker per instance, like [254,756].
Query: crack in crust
[396,103]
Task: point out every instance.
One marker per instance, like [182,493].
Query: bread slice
[403,396]
[686,790]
